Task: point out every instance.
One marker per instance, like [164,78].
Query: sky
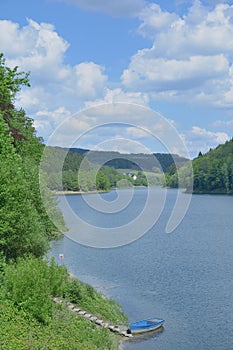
[128,75]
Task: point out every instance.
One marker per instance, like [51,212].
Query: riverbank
[30,319]
[118,329]
[77,192]
[96,192]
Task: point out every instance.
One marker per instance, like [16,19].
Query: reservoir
[185,277]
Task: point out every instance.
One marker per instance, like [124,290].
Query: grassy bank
[31,320]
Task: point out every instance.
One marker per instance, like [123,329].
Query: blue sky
[174,57]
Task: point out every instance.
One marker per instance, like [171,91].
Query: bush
[31,283]
[88,298]
[20,331]
[30,319]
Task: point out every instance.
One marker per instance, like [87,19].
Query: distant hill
[112,168]
[80,151]
[212,171]
[140,161]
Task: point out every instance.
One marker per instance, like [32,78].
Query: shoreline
[77,192]
[97,191]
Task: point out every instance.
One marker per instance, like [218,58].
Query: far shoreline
[78,192]
[97,191]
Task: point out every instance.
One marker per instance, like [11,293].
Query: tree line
[212,172]
[24,224]
[81,170]
[78,173]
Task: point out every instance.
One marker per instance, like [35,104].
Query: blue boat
[145,325]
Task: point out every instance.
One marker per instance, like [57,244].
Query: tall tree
[24,224]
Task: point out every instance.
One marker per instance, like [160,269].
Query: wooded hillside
[212,172]
[24,224]
[84,170]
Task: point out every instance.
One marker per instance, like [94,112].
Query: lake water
[185,277]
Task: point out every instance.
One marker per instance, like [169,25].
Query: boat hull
[145,326]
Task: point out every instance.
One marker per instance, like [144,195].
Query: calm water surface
[185,277]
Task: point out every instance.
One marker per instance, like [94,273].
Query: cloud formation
[190,60]
[192,52]
[118,95]
[200,139]
[90,80]
[39,49]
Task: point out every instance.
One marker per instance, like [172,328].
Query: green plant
[30,284]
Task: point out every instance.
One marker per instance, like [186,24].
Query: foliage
[31,320]
[24,224]
[81,170]
[12,80]
[20,331]
[212,172]
[102,181]
[79,174]
[180,175]
[30,284]
[85,296]
[21,229]
[133,161]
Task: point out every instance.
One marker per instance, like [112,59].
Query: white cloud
[154,20]
[46,121]
[43,127]
[218,137]
[33,98]
[115,8]
[118,95]
[90,80]
[191,60]
[57,115]
[104,123]
[199,139]
[159,74]
[16,41]
[39,49]
[191,56]
[199,32]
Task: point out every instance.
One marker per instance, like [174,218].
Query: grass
[30,320]
[20,331]
[93,302]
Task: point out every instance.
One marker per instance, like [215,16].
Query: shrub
[30,284]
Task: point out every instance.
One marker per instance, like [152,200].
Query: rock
[82,312]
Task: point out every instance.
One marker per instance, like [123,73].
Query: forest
[212,171]
[133,161]
[81,170]
[80,174]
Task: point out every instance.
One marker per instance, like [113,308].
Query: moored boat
[145,325]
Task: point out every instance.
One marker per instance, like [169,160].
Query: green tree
[21,229]
[102,182]
[212,172]
[24,224]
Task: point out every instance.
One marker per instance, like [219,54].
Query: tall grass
[30,319]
